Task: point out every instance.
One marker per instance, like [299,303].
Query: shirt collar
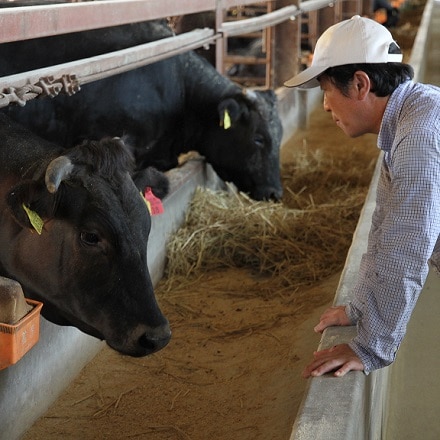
[390,118]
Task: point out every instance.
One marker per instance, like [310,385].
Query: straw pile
[299,241]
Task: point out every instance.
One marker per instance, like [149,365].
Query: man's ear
[362,83]
[27,205]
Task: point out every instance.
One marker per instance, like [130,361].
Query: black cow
[73,232]
[163,110]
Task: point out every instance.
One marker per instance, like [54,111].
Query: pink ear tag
[154,204]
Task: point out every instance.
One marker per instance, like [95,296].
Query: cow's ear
[230,110]
[27,205]
[156,180]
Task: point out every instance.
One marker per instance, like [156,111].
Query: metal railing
[27,22]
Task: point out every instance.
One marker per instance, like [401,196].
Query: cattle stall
[31,385]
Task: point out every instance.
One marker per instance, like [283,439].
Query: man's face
[350,112]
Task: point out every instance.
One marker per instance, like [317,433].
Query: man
[368,89]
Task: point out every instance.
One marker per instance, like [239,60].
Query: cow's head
[88,263]
[247,144]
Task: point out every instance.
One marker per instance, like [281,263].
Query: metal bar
[313,5]
[231,3]
[26,22]
[22,23]
[103,66]
[258,23]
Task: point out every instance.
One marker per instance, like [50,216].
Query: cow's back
[167,108]
[20,148]
[140,106]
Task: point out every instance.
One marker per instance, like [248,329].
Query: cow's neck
[204,86]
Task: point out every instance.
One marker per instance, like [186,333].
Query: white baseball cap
[353,41]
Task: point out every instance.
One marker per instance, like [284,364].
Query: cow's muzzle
[142,341]
[155,340]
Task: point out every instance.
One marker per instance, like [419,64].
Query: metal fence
[34,21]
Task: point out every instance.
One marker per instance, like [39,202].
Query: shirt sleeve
[405,229]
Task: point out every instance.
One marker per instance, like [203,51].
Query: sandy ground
[231,372]
[233,367]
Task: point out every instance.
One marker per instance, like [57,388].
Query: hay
[319,178]
[300,246]
[298,242]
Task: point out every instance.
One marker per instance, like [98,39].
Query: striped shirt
[405,227]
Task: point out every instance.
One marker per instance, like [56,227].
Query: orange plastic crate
[16,340]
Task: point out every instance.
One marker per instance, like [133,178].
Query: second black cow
[162,110]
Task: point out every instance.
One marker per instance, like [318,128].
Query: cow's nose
[274,194]
[156,339]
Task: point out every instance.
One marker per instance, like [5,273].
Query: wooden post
[287,53]
[220,48]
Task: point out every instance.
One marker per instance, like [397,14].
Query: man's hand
[332,316]
[340,358]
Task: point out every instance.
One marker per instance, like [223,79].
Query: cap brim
[307,78]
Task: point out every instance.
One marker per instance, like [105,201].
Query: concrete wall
[344,408]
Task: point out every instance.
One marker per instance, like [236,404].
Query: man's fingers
[325,367]
[321,353]
[320,365]
[332,316]
[342,371]
[340,359]
[325,322]
[352,365]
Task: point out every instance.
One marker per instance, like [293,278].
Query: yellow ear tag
[226,120]
[146,202]
[36,221]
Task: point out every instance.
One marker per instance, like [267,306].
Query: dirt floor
[233,367]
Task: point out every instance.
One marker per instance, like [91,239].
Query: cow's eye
[259,140]
[90,238]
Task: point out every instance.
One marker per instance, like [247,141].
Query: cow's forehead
[121,201]
[266,108]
